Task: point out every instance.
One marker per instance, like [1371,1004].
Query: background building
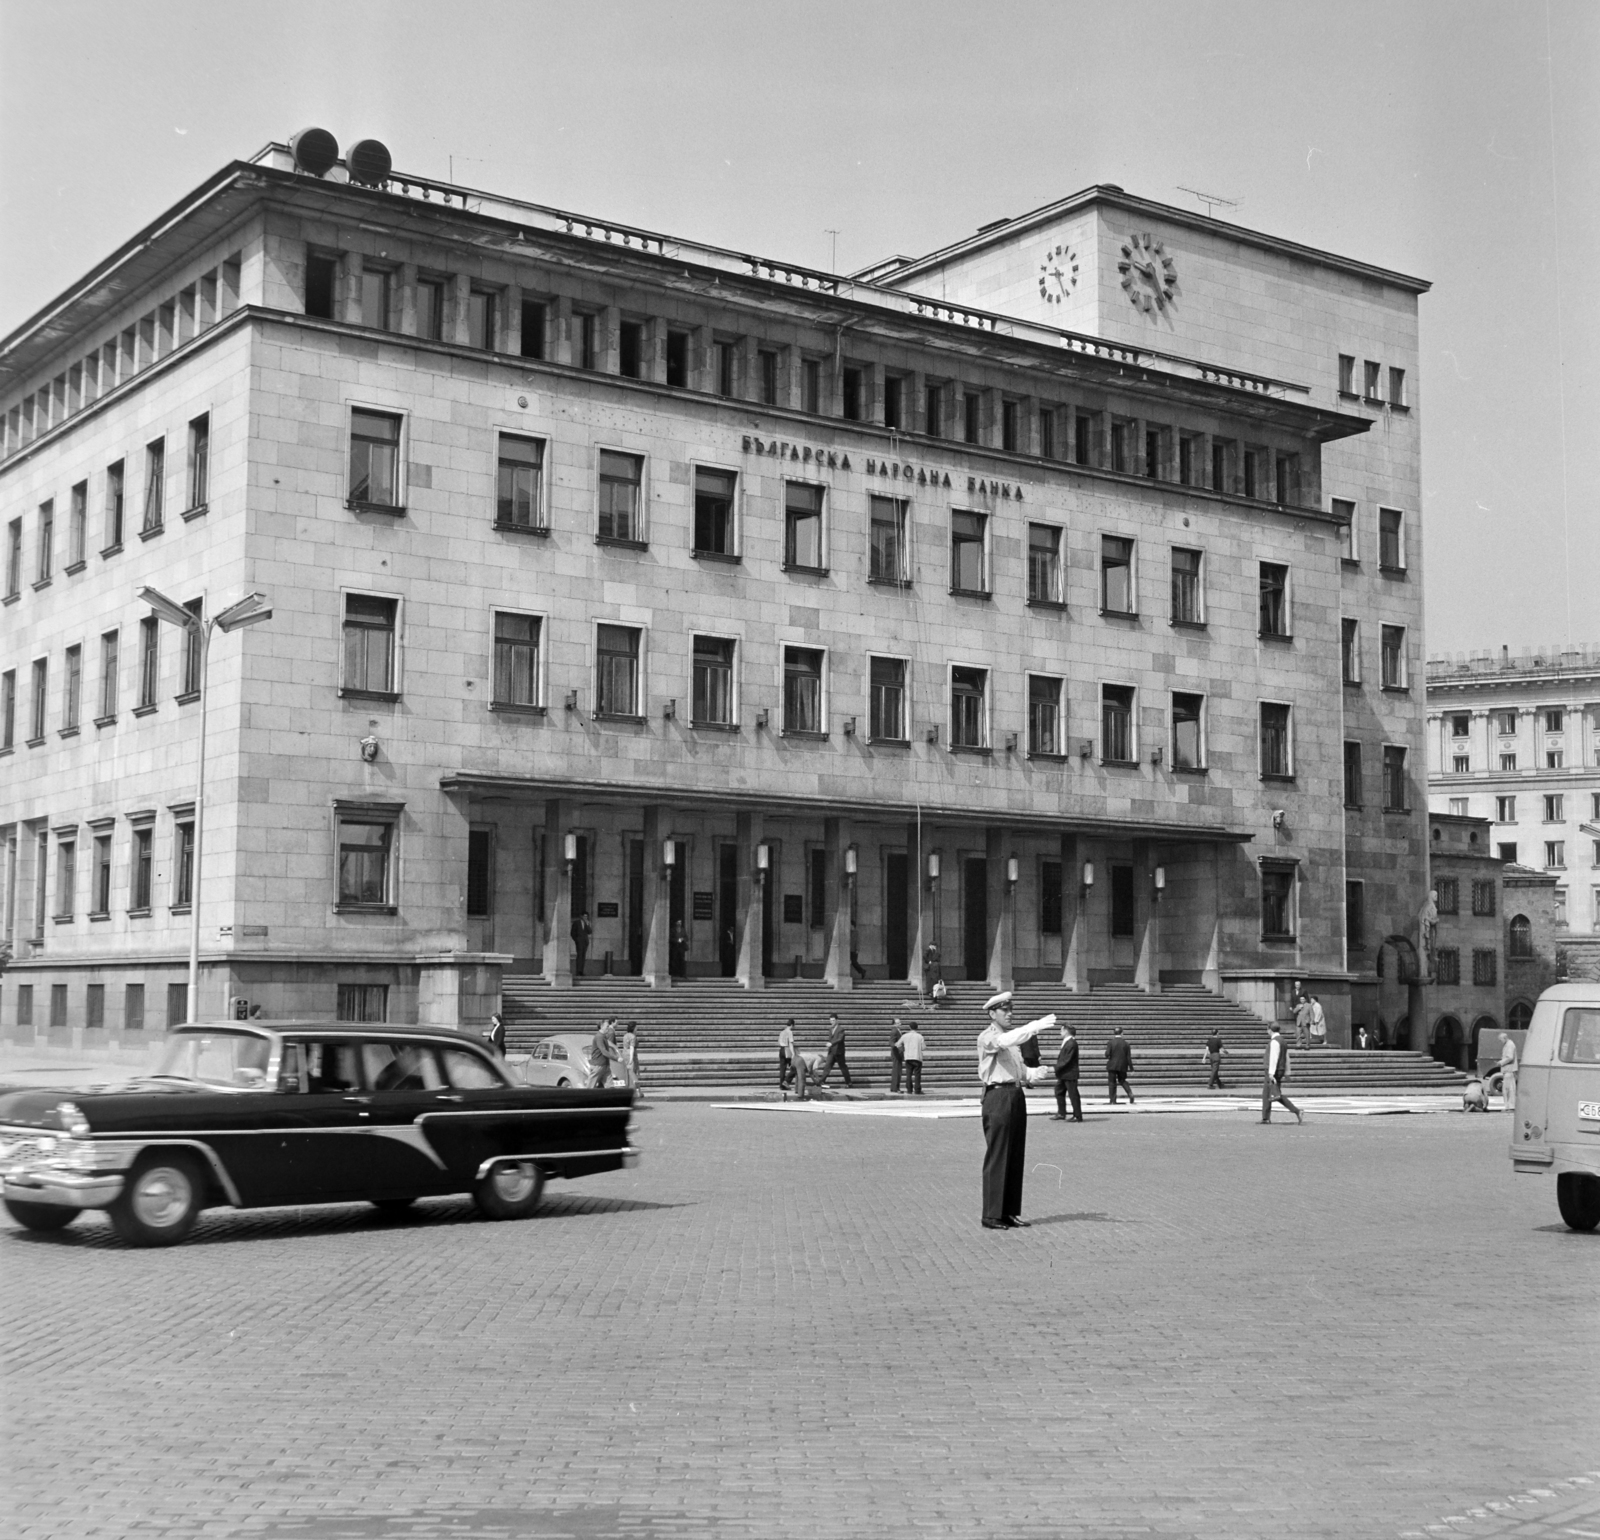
[1054,600]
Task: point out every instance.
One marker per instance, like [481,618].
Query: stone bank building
[1053,600]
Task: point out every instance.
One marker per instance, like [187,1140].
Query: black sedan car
[255,1115]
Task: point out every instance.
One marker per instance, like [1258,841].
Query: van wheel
[161,1201]
[1578,1197]
[509,1191]
[40,1216]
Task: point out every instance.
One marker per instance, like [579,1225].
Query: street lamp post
[247,612]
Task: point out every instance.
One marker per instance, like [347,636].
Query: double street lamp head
[247,612]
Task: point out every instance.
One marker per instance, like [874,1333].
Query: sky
[1458,141]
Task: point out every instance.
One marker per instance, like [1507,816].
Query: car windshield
[234,1059]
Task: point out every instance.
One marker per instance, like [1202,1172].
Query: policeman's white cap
[998,1002]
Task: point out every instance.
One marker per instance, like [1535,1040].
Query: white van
[1556,1125]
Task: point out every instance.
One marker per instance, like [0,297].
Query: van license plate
[1589,1111]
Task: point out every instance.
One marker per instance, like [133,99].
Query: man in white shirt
[1005,1111]
[912,1044]
[1319,1024]
[1277,1068]
[790,1066]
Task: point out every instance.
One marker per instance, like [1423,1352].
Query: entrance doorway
[1448,1041]
[635,907]
[772,897]
[1122,916]
[728,909]
[975,916]
[677,913]
[896,931]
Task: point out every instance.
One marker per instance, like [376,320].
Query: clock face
[1058,273]
[1149,278]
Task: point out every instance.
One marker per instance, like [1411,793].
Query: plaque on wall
[794,908]
[606,911]
[704,905]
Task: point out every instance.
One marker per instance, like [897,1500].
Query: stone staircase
[710,1033]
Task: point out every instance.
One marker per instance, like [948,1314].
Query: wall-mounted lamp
[849,727]
[1011,743]
[1160,879]
[669,711]
[1012,871]
[849,860]
[761,718]
[1086,749]
[569,850]
[1088,875]
[933,866]
[1155,756]
[933,733]
[1279,818]
[669,854]
[763,856]
[369,747]
[572,700]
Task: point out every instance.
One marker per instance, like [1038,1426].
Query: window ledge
[1397,810]
[1348,395]
[1120,764]
[1055,759]
[152,532]
[820,572]
[1350,561]
[510,709]
[888,582]
[542,530]
[1394,572]
[99,914]
[43,582]
[1275,636]
[179,909]
[1119,614]
[72,569]
[618,543]
[199,511]
[803,734]
[366,909]
[1400,407]
[618,716]
[188,698]
[383,695]
[1354,807]
[144,711]
[354,505]
[111,550]
[727,558]
[971,593]
[1373,400]
[1189,625]
[889,743]
[1280,780]
[1275,939]
[12,598]
[138,914]
[1191,769]
[980,749]
[7,752]
[714,727]
[1047,604]
[1396,689]
[1351,684]
[63,919]
[34,743]
[68,732]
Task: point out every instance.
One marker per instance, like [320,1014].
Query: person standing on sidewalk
[1119,1060]
[1302,1017]
[835,1051]
[1319,1024]
[1277,1067]
[1214,1055]
[896,1056]
[1507,1073]
[495,1032]
[912,1047]
[582,930]
[1067,1076]
[1005,1111]
[604,1053]
[789,1064]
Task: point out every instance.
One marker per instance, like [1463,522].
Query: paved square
[794,1326]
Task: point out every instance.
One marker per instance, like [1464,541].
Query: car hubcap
[162,1197]
[514,1183]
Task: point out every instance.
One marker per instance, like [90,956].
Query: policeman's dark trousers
[1216,1076]
[1064,1089]
[1272,1091]
[896,1065]
[914,1077]
[1005,1136]
[1115,1078]
[835,1056]
[785,1071]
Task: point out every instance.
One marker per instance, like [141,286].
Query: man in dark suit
[1119,1060]
[1067,1076]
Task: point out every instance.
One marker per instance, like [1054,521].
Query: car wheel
[563,1081]
[40,1216]
[393,1208]
[509,1191]
[161,1200]
[1578,1197]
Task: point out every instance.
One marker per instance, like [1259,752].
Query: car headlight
[71,1155]
[72,1118]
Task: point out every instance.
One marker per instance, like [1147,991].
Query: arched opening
[1397,970]
[1447,1041]
[1521,936]
[1485,1042]
[1519,1016]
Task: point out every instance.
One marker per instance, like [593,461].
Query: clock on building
[1058,273]
[1149,276]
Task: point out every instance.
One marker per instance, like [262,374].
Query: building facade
[1053,601]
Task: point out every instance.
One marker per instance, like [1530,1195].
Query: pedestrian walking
[1302,1018]
[896,1057]
[582,930]
[856,969]
[1214,1055]
[626,1040]
[603,1052]
[1119,1060]
[496,1034]
[1277,1068]
[1067,1076]
[1005,1111]
[1504,1078]
[630,1058]
[835,1051]
[789,1065]
[912,1047]
[1318,1024]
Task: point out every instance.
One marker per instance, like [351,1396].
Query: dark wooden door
[635,907]
[975,916]
[728,909]
[678,912]
[1121,901]
[896,892]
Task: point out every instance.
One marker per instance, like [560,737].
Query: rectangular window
[141,870]
[8,709]
[192,646]
[1555,720]
[1594,804]
[374,459]
[430,309]
[1355,915]
[713,511]
[133,1008]
[47,542]
[361,1002]
[365,847]
[1373,382]
[1449,891]
[182,865]
[1350,651]
[971,415]
[1220,481]
[1555,853]
[1397,387]
[66,878]
[1274,599]
[967,565]
[678,360]
[621,478]
[1395,790]
[969,725]
[713,681]
[480,873]
[1508,761]
[78,524]
[1008,426]
[617,681]
[149,659]
[583,341]
[1485,967]
[1044,564]
[369,644]
[199,467]
[802,690]
[1186,460]
[1154,454]
[519,483]
[115,505]
[25,1005]
[811,386]
[1276,749]
[1188,736]
[1083,439]
[886,716]
[41,697]
[1483,898]
[1047,432]
[1505,723]
[1507,851]
[1186,610]
[802,526]
[1460,724]
[155,476]
[1345,510]
[1116,575]
[1117,745]
[1505,809]
[1044,715]
[101,893]
[630,349]
[1277,901]
[1286,480]
[72,693]
[722,368]
[1554,758]
[1447,965]
[516,660]
[375,287]
[1119,446]
[933,411]
[1392,641]
[14,559]
[483,319]
[1252,473]
[1391,540]
[322,282]
[894,402]
[94,1008]
[1461,764]
[887,541]
[1347,375]
[850,392]
[1555,807]
[1458,806]
[533,324]
[767,373]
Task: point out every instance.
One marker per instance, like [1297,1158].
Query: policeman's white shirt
[911,1045]
[998,1061]
[786,1042]
[1274,1054]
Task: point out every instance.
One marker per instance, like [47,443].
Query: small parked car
[560,1060]
[1555,1125]
[261,1114]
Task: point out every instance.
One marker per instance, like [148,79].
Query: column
[1074,919]
[747,369]
[511,319]
[915,404]
[1147,918]
[703,365]
[1211,977]
[657,940]
[836,836]
[558,344]
[997,904]
[790,390]
[989,418]
[458,313]
[558,899]
[347,303]
[653,366]
[608,340]
[752,902]
[921,934]
[408,298]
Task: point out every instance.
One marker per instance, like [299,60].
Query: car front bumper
[70,1189]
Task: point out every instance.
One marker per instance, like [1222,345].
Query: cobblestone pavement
[793,1326]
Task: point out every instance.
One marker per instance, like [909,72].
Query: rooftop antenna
[833,260]
[1212,200]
